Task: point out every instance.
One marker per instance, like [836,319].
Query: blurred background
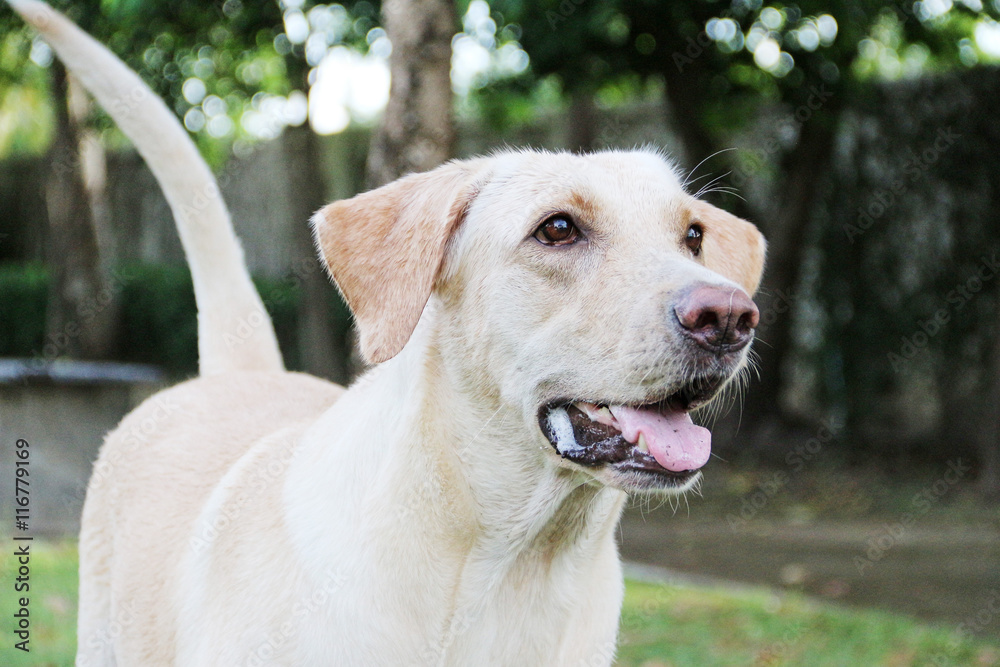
[862,466]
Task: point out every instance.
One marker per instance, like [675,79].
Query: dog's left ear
[733,247]
[384,249]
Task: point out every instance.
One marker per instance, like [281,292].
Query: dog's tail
[234,329]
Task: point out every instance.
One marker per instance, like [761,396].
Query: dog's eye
[557,230]
[693,238]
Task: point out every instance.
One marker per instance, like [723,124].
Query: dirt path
[948,575]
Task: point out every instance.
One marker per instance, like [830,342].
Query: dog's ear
[384,249]
[733,247]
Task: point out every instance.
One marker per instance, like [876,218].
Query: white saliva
[562,429]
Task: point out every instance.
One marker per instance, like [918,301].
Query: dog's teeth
[606,413]
[641,445]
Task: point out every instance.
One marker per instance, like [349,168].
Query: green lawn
[661,626]
[52,604]
[665,625]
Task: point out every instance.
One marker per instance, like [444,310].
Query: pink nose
[719,319]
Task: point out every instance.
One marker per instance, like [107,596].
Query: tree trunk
[417,132]
[582,122]
[322,350]
[988,438]
[685,113]
[83,300]
[801,175]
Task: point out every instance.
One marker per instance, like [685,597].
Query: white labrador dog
[542,323]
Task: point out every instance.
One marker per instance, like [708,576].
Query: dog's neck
[523,506]
[445,486]
[483,463]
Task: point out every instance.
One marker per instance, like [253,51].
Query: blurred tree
[81,310]
[83,303]
[910,231]
[790,69]
[989,436]
[239,73]
[783,75]
[417,132]
[23,91]
[236,73]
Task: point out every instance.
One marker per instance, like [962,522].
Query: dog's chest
[521,619]
[530,617]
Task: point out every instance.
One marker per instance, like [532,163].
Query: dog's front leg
[592,636]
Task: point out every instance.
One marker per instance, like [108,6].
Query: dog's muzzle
[657,437]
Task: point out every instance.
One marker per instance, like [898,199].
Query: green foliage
[22,308]
[159,318]
[235,56]
[158,322]
[228,47]
[706,48]
[25,114]
[905,234]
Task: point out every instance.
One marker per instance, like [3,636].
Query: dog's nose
[719,319]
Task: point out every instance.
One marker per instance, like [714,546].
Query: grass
[679,626]
[52,604]
[661,626]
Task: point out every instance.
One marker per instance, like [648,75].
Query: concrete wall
[64,417]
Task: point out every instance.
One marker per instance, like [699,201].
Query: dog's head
[589,292]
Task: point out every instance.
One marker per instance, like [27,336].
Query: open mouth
[656,438]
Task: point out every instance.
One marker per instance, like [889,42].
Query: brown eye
[557,230]
[693,239]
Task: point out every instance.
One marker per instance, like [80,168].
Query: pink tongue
[673,439]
